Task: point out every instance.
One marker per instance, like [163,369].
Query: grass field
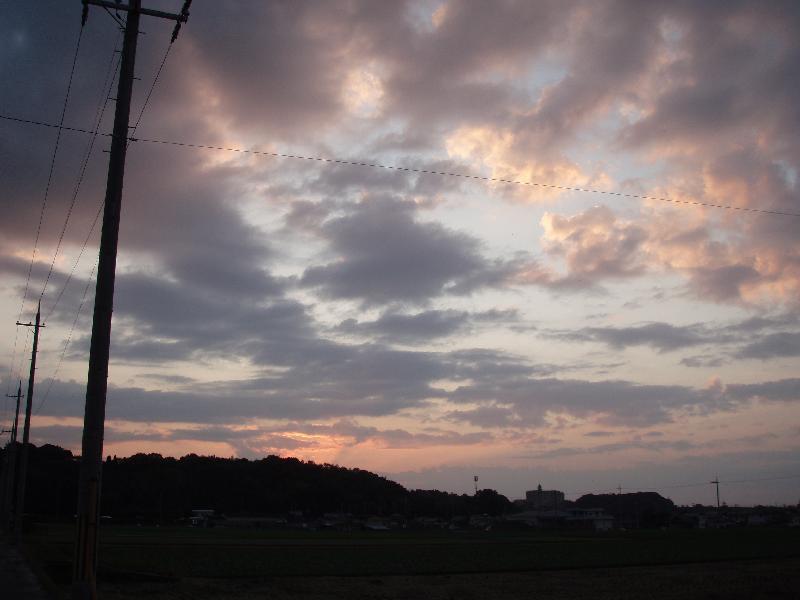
[225,563]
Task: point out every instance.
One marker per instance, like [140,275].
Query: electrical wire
[47,191]
[116,18]
[150,91]
[77,260]
[374,165]
[52,168]
[68,339]
[108,82]
[99,116]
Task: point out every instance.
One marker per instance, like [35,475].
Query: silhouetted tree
[158,489]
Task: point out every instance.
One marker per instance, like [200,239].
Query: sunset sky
[426,327]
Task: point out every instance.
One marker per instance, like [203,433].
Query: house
[201,517]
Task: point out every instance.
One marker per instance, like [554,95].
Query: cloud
[426,326]
[611,402]
[784,390]
[755,337]
[595,246]
[774,345]
[414,328]
[488,416]
[254,289]
[615,447]
[388,256]
[661,336]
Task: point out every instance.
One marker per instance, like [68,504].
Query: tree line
[155,488]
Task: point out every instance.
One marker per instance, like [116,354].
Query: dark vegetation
[148,551]
[156,489]
[636,510]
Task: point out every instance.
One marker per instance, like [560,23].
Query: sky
[596,324]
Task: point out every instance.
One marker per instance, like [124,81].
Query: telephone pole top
[716,482]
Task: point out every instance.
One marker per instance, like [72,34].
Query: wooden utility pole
[85,566]
[19,507]
[9,473]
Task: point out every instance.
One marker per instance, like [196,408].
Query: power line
[375,165]
[108,82]
[68,340]
[150,91]
[47,191]
[77,260]
[107,85]
[52,167]
[115,17]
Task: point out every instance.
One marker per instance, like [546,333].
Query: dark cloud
[723,284]
[784,390]
[414,328]
[424,326]
[612,448]
[389,256]
[774,345]
[613,402]
[276,68]
[703,361]
[756,337]
[414,177]
[660,336]
[400,438]
[603,64]
[753,52]
[167,378]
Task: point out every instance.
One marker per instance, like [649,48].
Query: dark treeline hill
[165,489]
[639,509]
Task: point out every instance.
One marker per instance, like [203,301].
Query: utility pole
[85,566]
[716,482]
[9,474]
[19,508]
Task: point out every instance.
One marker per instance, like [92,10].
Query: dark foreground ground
[219,564]
[729,580]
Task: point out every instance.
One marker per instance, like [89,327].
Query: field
[224,563]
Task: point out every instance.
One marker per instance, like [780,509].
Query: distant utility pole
[16,413]
[19,507]
[85,566]
[9,473]
[619,490]
[716,482]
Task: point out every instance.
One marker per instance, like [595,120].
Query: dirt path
[17,581]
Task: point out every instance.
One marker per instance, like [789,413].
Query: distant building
[540,499]
[201,517]
[592,517]
[570,518]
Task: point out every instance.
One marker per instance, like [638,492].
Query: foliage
[158,489]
